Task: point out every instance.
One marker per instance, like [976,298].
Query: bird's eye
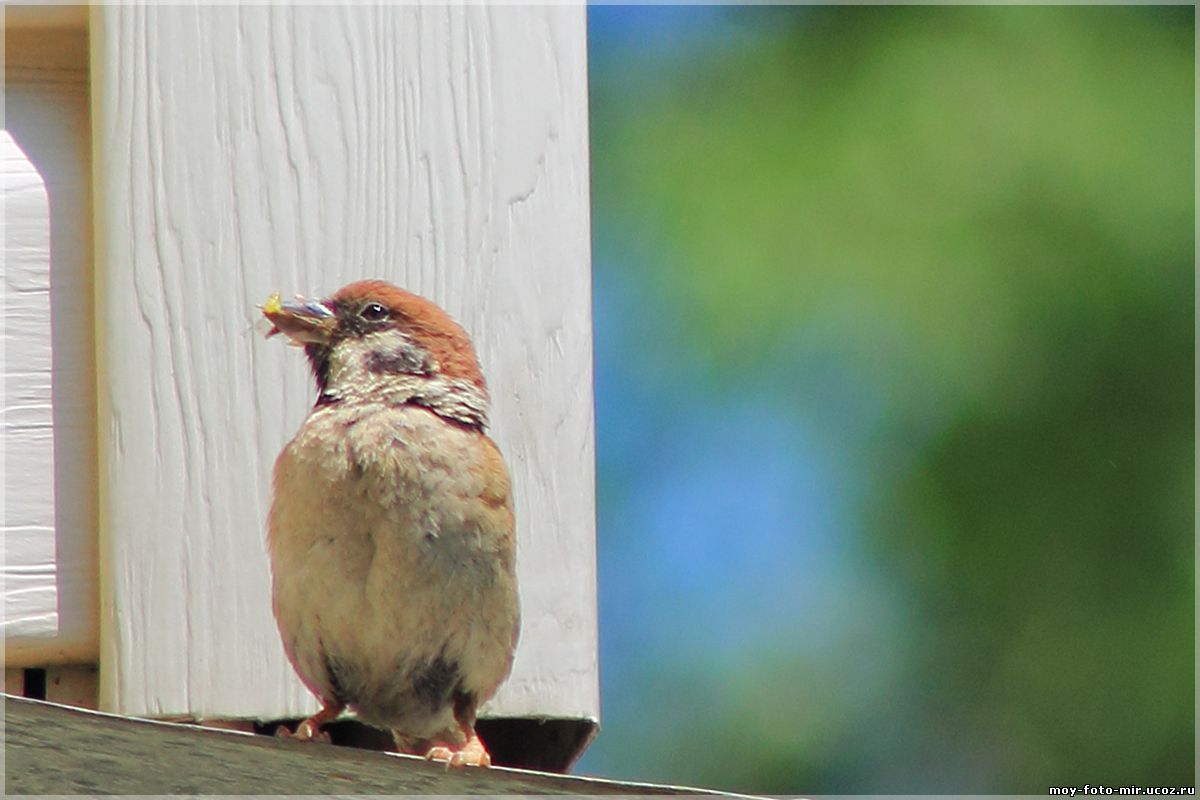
[373,312]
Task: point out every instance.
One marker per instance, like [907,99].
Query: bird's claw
[471,754]
[306,731]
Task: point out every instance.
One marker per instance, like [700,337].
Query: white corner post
[244,150]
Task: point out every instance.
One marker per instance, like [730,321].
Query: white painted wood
[247,150]
[30,594]
[44,17]
[49,556]
[73,686]
[70,685]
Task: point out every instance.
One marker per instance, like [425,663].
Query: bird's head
[375,342]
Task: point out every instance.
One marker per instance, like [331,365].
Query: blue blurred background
[894,378]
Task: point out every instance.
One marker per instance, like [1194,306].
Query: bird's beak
[303,321]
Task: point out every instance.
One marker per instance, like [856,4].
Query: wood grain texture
[50,560]
[30,586]
[247,150]
[52,750]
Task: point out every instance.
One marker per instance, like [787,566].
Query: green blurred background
[895,395]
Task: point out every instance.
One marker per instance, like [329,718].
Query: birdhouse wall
[49,468]
[242,151]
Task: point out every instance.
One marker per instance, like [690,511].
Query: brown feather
[442,336]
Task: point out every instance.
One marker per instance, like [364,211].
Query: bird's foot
[309,730]
[305,732]
[472,753]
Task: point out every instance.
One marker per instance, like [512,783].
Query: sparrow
[391,531]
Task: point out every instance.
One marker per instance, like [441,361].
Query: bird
[391,533]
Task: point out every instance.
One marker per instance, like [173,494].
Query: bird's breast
[391,539]
[400,480]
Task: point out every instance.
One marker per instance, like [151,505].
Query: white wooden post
[49,413]
[244,150]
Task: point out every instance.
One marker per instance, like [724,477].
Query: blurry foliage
[986,214]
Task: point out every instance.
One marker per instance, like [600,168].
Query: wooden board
[51,613]
[244,150]
[53,750]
